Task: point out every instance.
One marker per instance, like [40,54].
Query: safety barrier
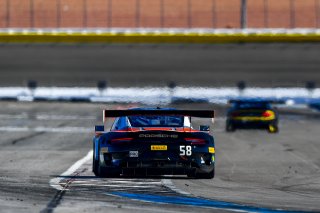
[146,35]
[160,95]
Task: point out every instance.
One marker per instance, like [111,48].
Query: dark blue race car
[252,113]
[154,142]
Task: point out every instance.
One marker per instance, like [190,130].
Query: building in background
[159,13]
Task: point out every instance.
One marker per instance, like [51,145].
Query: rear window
[156,121]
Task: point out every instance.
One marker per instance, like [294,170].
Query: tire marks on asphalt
[15,141]
[158,190]
[80,178]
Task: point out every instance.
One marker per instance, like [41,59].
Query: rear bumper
[252,123]
[169,165]
[163,170]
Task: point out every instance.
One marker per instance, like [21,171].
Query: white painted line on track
[18,116]
[64,117]
[69,129]
[55,181]
[14,129]
[46,117]
[168,183]
[63,129]
[135,207]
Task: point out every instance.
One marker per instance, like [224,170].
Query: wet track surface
[260,171]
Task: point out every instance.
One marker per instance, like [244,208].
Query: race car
[154,141]
[252,113]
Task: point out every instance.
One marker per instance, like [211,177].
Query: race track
[255,171]
[138,65]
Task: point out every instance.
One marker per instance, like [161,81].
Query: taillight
[267,113]
[121,140]
[196,141]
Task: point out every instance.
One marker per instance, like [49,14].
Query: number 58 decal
[185,150]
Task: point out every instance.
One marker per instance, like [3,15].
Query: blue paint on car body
[200,202]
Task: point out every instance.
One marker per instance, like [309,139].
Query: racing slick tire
[191,174]
[230,127]
[200,175]
[95,166]
[101,171]
[273,128]
[208,175]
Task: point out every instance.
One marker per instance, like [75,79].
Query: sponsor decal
[157,136]
[212,150]
[104,150]
[133,154]
[159,147]
[186,151]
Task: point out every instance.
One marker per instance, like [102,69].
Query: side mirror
[99,128]
[204,128]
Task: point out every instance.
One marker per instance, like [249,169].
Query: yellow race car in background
[253,114]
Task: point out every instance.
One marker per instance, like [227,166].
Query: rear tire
[273,128]
[95,164]
[230,127]
[95,170]
[201,175]
[191,174]
[208,175]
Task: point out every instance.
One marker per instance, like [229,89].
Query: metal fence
[160,13]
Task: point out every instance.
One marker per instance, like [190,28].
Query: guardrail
[151,35]
[160,95]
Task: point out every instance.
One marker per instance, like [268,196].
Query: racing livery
[154,141]
[252,113]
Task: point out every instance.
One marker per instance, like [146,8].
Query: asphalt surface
[265,65]
[40,141]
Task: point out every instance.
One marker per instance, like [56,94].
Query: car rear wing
[190,113]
